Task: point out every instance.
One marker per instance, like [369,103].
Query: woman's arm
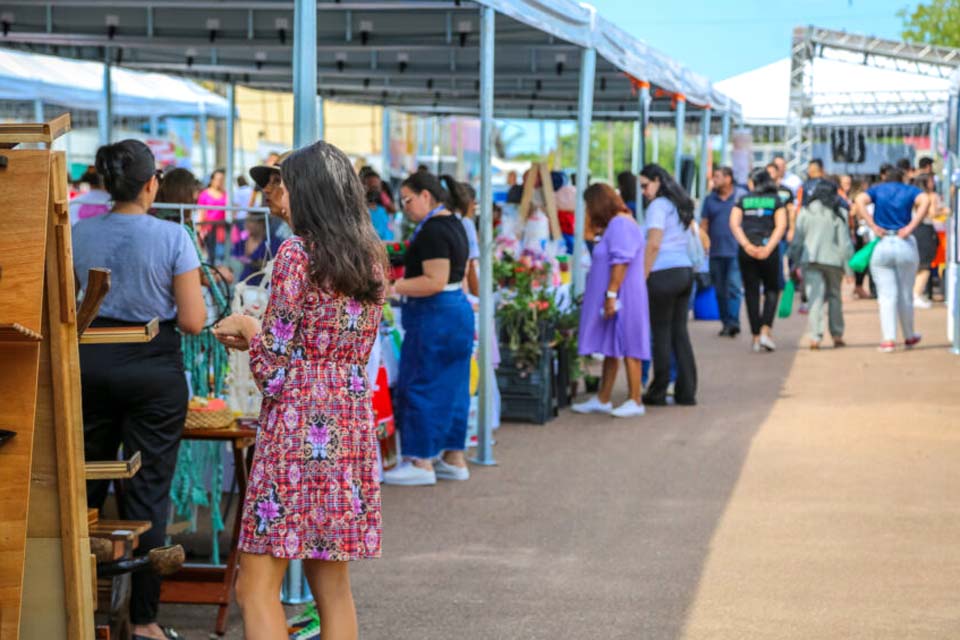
[779,229]
[921,207]
[654,239]
[860,207]
[617,273]
[436,275]
[188,296]
[473,278]
[736,228]
[272,346]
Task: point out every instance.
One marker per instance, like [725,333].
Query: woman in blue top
[897,210]
[669,269]
[135,395]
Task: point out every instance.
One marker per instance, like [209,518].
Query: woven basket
[219,419]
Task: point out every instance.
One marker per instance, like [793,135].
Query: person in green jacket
[821,243]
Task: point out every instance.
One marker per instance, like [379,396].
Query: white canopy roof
[402,53]
[79,85]
[844,93]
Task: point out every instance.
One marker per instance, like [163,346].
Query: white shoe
[593,405]
[922,303]
[767,343]
[629,409]
[447,471]
[755,347]
[407,474]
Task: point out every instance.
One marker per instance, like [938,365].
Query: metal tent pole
[543,141]
[231,145]
[681,120]
[588,67]
[154,126]
[953,236]
[38,110]
[106,113]
[486,409]
[305,125]
[644,116]
[385,143]
[321,120]
[704,156]
[724,136]
[204,143]
[304,72]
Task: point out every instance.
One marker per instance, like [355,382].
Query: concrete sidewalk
[809,495]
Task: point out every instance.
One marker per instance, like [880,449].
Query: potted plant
[526,327]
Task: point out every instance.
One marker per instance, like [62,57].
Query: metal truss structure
[812,42]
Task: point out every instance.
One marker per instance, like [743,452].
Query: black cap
[261,173]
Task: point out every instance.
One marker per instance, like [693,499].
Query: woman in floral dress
[313,493]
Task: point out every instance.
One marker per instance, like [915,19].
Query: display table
[213,584]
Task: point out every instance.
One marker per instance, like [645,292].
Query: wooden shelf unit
[46,569]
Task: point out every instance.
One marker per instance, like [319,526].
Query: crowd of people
[314,486]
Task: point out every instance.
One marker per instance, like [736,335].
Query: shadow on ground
[588,528]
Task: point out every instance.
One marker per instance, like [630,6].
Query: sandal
[168,632]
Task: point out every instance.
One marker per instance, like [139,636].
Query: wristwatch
[611,295]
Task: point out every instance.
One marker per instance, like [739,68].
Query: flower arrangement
[527,313]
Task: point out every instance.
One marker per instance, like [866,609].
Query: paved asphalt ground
[809,495]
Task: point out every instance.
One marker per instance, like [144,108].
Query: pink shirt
[211,215]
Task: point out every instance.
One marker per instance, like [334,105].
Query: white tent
[838,85]
[79,85]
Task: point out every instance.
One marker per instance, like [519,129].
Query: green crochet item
[198,479]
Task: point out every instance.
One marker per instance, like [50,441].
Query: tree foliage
[935,22]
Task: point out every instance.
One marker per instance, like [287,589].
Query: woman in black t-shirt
[758,222]
[432,399]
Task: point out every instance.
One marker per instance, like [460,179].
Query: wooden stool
[214,584]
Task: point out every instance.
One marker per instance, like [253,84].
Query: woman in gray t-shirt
[135,395]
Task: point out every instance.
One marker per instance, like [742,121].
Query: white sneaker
[407,474]
[593,405]
[755,347]
[922,303]
[629,409]
[447,471]
[767,343]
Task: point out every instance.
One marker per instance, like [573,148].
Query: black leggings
[669,291]
[135,395]
[754,273]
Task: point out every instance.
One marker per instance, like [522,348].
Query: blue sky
[721,38]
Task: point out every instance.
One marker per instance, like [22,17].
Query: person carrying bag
[822,245]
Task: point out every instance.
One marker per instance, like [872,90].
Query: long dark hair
[627,183]
[425,181]
[762,182]
[329,212]
[672,191]
[461,194]
[126,166]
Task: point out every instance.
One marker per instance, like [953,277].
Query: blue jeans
[725,274]
[432,402]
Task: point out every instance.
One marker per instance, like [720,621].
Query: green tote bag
[860,261]
[786,300]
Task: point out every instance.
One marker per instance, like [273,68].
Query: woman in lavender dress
[615,318]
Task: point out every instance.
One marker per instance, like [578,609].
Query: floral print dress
[313,490]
